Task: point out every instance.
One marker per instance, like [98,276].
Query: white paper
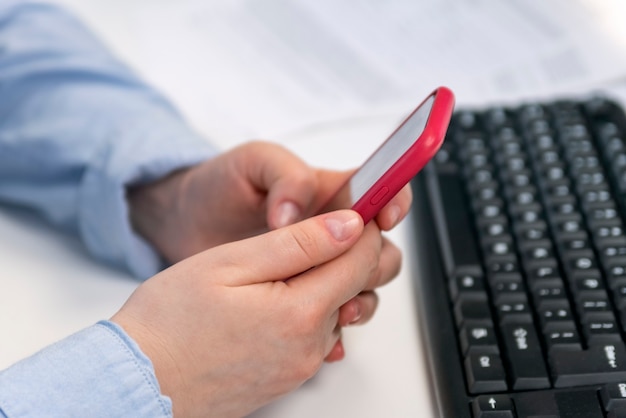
[243,69]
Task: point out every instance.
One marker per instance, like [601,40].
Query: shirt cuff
[97,372]
[123,161]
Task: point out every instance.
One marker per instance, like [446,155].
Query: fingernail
[357,312]
[394,214]
[286,214]
[342,225]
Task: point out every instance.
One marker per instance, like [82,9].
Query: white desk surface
[51,288]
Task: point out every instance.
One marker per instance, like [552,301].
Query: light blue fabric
[98,372]
[76,128]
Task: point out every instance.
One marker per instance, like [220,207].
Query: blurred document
[244,69]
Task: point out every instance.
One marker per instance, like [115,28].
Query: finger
[337,353]
[342,278]
[359,309]
[286,252]
[289,182]
[329,182]
[395,210]
[389,264]
[335,350]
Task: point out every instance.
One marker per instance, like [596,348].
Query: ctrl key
[493,406]
[484,372]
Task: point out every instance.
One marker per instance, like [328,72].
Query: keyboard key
[580,262]
[571,403]
[478,336]
[554,310]
[597,364]
[524,357]
[493,406]
[613,395]
[484,372]
[514,308]
[617,413]
[579,403]
[562,335]
[588,283]
[472,309]
[529,232]
[501,264]
[536,404]
[503,285]
[548,291]
[589,301]
[467,285]
[600,328]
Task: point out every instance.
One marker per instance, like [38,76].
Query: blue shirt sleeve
[98,372]
[77,127]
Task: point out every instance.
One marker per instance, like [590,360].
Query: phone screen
[400,157]
[389,152]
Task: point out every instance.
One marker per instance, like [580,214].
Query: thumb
[286,252]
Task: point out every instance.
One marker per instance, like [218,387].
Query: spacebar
[453,224]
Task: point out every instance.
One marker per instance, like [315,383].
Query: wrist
[152,211]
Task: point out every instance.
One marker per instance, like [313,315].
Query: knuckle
[371,260]
[308,325]
[305,242]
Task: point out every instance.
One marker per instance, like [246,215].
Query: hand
[238,194]
[236,326]
[241,193]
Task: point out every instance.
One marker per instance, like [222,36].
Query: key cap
[524,357]
[514,308]
[493,406]
[555,310]
[478,336]
[536,404]
[577,263]
[578,403]
[484,372]
[503,285]
[617,413]
[613,395]
[597,364]
[560,335]
[501,264]
[466,285]
[472,309]
[587,283]
[548,291]
[454,225]
[600,328]
[444,161]
[589,301]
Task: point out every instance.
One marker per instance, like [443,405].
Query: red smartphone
[405,152]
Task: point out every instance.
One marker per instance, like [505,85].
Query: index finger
[397,208]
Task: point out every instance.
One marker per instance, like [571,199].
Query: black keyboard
[521,262]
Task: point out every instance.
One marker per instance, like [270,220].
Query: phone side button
[379,195]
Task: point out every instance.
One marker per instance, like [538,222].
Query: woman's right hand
[234,327]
